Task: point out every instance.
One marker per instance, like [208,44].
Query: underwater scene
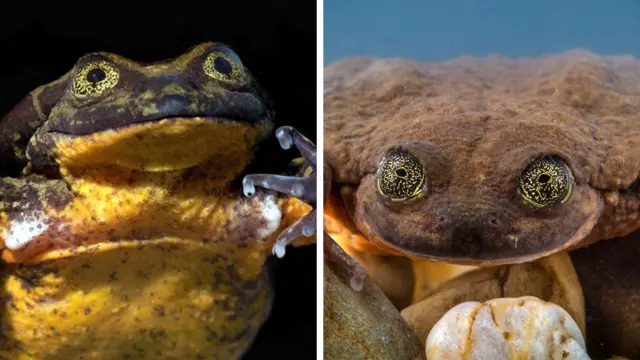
[481,163]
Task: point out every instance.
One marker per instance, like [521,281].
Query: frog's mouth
[162,145]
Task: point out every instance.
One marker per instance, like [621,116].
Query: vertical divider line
[320,182]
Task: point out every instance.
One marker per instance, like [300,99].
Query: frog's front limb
[333,229]
[302,187]
[334,253]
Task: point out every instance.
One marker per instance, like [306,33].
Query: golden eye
[400,176]
[545,182]
[94,77]
[223,64]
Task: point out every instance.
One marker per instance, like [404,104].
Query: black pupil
[96,75]
[222,66]
[401,172]
[544,178]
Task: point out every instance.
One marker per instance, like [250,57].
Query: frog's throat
[164,145]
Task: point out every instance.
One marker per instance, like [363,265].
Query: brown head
[448,170]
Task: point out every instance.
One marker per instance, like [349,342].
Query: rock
[551,279]
[506,328]
[431,274]
[363,325]
[609,272]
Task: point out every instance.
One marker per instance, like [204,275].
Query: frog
[456,170]
[125,233]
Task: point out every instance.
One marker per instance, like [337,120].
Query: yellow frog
[127,236]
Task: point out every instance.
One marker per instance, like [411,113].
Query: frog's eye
[400,176]
[94,77]
[223,64]
[545,182]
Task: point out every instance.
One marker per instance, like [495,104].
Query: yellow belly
[164,299]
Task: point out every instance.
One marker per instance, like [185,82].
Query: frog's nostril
[494,221]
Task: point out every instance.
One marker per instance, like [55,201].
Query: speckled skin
[148,248]
[474,132]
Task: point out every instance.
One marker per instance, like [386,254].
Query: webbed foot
[301,187]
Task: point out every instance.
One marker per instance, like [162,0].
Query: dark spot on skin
[112,276]
[240,335]
[155,334]
[87,311]
[159,310]
[211,335]
[86,266]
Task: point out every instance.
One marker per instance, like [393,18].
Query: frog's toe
[334,253]
[305,226]
[304,188]
[288,136]
[301,187]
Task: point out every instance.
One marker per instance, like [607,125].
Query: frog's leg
[302,187]
[334,253]
[19,124]
[350,249]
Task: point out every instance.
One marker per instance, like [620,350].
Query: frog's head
[162,116]
[466,191]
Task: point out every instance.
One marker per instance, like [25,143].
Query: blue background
[440,30]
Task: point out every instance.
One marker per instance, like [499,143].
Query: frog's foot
[303,188]
[334,253]
[506,328]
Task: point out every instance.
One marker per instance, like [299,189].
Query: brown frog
[478,162]
[127,235]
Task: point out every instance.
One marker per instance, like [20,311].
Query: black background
[276,40]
